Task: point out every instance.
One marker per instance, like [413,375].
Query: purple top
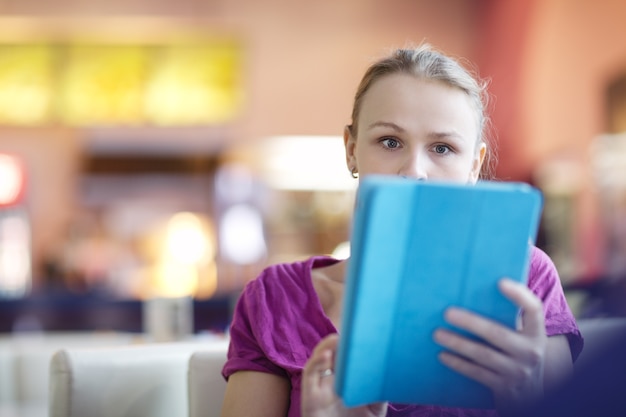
[268,332]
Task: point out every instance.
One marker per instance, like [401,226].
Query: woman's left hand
[513,366]
[318,394]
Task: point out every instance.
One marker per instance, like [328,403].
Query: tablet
[418,248]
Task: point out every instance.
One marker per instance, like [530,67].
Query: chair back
[148,380]
[206,384]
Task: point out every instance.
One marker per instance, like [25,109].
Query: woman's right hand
[318,391]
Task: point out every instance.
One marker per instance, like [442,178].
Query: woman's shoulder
[538,257]
[272,306]
[285,278]
[296,267]
[541,264]
[543,277]
[544,281]
[294,270]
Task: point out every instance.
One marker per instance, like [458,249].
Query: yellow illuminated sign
[77,84]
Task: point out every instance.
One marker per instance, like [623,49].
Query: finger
[477,352]
[509,341]
[329,342]
[523,297]
[318,369]
[465,367]
[489,330]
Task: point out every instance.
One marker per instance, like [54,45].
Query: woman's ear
[349,142]
[477,164]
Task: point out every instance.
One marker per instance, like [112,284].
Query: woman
[420,114]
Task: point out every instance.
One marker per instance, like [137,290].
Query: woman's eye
[442,149]
[390,143]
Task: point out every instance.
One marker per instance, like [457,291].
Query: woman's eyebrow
[445,135]
[449,134]
[386,124]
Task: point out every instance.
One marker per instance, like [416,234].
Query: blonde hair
[425,62]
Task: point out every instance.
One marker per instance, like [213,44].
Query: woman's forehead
[407,99]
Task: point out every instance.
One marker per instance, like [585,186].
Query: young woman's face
[416,128]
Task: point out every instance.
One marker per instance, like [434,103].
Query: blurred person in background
[597,389]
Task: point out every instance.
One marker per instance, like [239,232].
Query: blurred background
[156,149]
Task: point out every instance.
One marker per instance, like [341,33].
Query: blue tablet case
[416,249]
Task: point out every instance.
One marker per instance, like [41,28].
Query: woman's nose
[416,166]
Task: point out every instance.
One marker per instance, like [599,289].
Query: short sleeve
[245,352]
[544,281]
